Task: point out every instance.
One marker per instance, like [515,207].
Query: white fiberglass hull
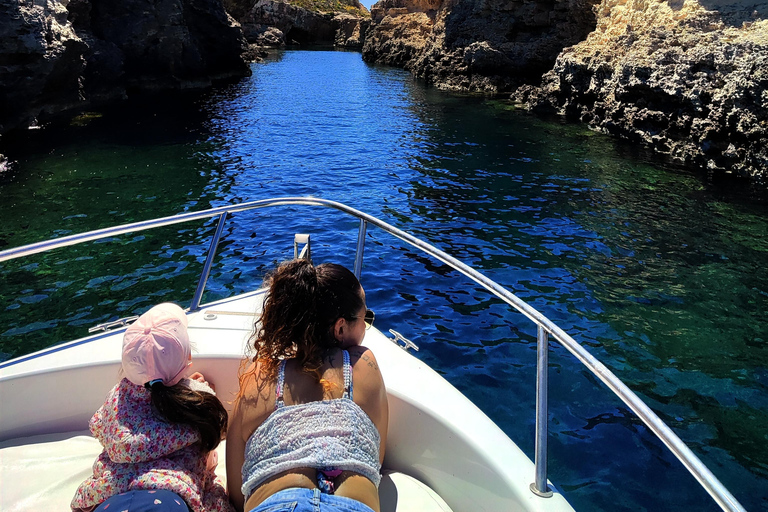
[436,435]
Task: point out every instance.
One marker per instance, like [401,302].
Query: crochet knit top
[325,435]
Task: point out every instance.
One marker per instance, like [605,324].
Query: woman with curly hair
[309,425]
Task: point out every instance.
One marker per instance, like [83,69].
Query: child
[158,429]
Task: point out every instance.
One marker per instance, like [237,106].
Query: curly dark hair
[301,306]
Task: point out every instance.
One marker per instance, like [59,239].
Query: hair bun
[304,269]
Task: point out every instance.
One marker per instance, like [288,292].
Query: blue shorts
[309,500]
[158,500]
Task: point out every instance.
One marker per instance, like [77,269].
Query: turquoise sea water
[660,272]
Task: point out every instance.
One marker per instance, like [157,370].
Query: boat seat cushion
[42,473]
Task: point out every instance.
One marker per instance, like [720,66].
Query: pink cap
[156,346]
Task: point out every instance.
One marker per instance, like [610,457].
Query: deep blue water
[660,272]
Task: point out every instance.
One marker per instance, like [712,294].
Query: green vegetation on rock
[337,6]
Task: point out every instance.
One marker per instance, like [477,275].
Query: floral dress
[143,452]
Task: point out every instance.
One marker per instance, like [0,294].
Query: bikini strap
[347,376]
[280,383]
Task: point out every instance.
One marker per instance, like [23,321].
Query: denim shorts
[309,500]
[158,500]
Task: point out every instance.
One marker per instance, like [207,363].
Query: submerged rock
[5,165]
[688,81]
[59,56]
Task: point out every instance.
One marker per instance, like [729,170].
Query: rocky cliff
[58,56]
[476,45]
[687,78]
[280,22]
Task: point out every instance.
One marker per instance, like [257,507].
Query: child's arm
[212,461]
[197,382]
[197,376]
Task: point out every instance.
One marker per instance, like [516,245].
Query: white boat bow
[443,453]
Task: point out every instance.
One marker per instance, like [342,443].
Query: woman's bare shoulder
[363,356]
[365,370]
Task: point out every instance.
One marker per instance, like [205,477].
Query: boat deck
[443,453]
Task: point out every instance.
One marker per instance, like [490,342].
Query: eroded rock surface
[476,45]
[350,30]
[274,23]
[41,60]
[686,77]
[688,80]
[57,55]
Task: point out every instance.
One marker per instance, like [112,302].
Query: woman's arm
[369,391]
[252,407]
[235,458]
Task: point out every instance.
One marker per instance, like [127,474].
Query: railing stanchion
[539,485]
[360,248]
[195,305]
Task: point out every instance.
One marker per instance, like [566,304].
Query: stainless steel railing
[545,327]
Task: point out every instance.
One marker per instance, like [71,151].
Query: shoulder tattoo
[369,360]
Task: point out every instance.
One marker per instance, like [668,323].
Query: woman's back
[258,403]
[310,314]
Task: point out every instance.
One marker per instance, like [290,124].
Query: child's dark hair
[197,409]
[301,307]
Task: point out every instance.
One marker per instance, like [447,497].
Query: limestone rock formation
[687,79]
[350,30]
[476,45]
[41,60]
[281,22]
[398,37]
[265,36]
[57,55]
[269,19]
